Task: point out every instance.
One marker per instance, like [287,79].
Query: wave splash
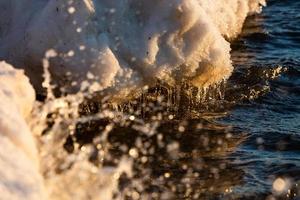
[122,46]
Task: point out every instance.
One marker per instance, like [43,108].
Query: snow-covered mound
[126,44]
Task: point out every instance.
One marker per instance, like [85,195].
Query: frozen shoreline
[125,44]
[184,40]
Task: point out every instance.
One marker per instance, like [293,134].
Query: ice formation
[19,164]
[125,44]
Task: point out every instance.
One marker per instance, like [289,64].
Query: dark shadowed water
[272,121]
[240,140]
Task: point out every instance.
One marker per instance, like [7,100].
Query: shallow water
[234,141]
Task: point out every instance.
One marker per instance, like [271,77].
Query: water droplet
[133,153]
[71,10]
[279,185]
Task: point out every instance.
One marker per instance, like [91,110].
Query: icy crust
[19,167]
[126,44]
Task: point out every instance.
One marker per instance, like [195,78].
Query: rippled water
[272,121]
[238,140]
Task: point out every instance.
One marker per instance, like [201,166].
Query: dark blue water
[272,120]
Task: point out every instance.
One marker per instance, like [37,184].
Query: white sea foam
[126,44]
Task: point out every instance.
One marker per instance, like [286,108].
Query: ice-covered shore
[126,44]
